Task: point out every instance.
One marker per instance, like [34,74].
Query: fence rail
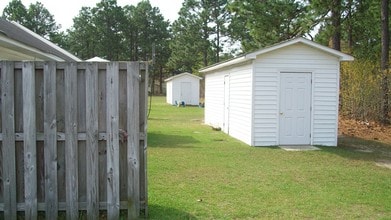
[73,137]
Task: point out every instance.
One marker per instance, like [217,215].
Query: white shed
[286,94]
[184,87]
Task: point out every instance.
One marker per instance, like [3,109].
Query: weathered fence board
[30,150]
[73,137]
[8,142]
[71,159]
[92,141]
[133,140]
[19,146]
[50,135]
[112,120]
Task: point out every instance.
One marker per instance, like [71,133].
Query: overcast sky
[65,10]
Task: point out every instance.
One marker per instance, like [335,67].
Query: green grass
[197,173]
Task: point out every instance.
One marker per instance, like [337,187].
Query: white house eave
[47,42]
[29,51]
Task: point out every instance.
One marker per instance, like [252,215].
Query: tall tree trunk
[216,13]
[218,43]
[152,82]
[205,40]
[161,80]
[384,61]
[350,25]
[336,23]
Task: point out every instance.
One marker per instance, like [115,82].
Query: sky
[65,10]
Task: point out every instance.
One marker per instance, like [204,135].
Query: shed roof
[18,42]
[253,55]
[97,59]
[182,74]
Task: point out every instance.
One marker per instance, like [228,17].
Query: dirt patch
[364,129]
[384,163]
[364,150]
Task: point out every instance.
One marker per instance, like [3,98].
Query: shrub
[360,90]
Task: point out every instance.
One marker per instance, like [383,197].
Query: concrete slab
[299,148]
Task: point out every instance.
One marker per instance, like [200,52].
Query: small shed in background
[184,87]
[286,94]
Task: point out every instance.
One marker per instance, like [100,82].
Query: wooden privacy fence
[73,138]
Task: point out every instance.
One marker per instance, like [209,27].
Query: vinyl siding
[240,112]
[325,105]
[265,106]
[240,97]
[169,93]
[214,99]
[325,75]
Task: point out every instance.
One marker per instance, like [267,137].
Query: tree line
[210,31]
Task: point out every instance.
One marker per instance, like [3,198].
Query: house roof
[19,43]
[253,55]
[182,74]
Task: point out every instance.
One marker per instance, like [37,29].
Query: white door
[186,93]
[295,109]
[226,105]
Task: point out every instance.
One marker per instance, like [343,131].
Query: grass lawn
[197,173]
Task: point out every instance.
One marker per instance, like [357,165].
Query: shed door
[186,92]
[295,109]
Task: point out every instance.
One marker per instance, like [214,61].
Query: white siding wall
[240,98]
[325,105]
[214,99]
[240,106]
[169,92]
[174,91]
[266,86]
[325,75]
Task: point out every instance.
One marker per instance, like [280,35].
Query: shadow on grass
[360,149]
[158,119]
[274,147]
[161,212]
[356,142]
[170,140]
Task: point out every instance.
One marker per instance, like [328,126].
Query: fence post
[143,94]
[8,130]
